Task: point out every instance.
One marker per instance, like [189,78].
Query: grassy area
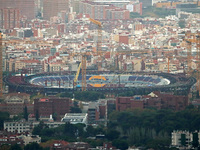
[192,10]
[154,12]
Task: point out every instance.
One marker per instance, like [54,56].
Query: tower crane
[83,62]
[198,50]
[169,57]
[82,67]
[99,40]
[190,39]
[129,52]
[77,74]
[193,38]
[1,66]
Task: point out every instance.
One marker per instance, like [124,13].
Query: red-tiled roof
[31,61]
[44,100]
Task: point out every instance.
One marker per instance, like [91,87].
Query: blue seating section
[132,78]
[137,80]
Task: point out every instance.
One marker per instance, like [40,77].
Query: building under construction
[53,83]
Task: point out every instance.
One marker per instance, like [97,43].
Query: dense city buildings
[114,73]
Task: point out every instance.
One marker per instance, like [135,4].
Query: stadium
[52,83]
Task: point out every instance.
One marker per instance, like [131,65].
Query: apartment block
[9,18]
[100,11]
[185,139]
[123,103]
[99,111]
[54,105]
[8,138]
[153,100]
[15,103]
[20,127]
[25,7]
[53,7]
[93,113]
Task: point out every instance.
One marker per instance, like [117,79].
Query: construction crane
[193,38]
[169,55]
[99,41]
[198,71]
[83,62]
[189,56]
[84,56]
[77,74]
[1,66]
[190,39]
[129,52]
[82,67]
[168,59]
[168,62]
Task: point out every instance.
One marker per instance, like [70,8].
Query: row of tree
[84,96]
[149,127]
[153,12]
[144,127]
[31,146]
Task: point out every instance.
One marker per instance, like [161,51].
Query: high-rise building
[135,7]
[53,7]
[185,139]
[98,10]
[93,113]
[75,5]
[26,7]
[146,3]
[9,18]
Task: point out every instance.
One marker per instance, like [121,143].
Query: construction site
[103,66]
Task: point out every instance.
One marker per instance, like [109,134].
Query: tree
[112,134]
[3,117]
[33,146]
[67,94]
[195,142]
[197,96]
[15,147]
[37,115]
[38,129]
[159,143]
[25,113]
[135,15]
[75,110]
[88,95]
[5,147]
[54,116]
[90,131]
[70,130]
[142,126]
[121,144]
